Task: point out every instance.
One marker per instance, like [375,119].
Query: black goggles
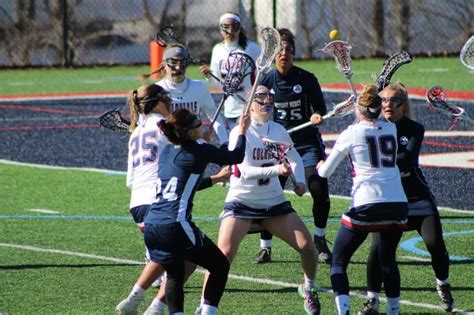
[173,63]
[263,98]
[286,47]
[395,101]
[233,27]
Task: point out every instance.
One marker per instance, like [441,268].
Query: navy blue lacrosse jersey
[297,96]
[410,136]
[180,173]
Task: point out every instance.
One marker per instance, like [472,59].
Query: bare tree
[402,24]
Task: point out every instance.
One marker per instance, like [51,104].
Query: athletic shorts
[139,213]
[168,243]
[421,208]
[377,217]
[241,211]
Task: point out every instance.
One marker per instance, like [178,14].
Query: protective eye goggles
[173,63]
[263,98]
[287,48]
[395,101]
[233,27]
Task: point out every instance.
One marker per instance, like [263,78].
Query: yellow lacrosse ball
[334,35]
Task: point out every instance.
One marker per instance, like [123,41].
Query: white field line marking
[415,258]
[124,173]
[43,211]
[232,276]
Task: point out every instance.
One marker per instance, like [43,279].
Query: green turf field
[421,73]
[85,258]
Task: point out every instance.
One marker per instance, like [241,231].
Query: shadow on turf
[421,263]
[41,266]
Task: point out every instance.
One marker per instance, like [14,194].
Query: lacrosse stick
[341,51]
[437,100]
[278,150]
[166,36]
[339,110]
[114,121]
[238,66]
[270,48]
[390,66]
[467,53]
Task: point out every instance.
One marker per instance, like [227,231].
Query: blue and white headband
[226,16]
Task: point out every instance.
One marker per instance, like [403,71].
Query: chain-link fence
[89,32]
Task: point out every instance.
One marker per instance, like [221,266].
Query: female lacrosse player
[187,93]
[170,235]
[378,200]
[298,98]
[423,214]
[255,199]
[149,105]
[234,39]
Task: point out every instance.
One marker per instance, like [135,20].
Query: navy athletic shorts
[377,217]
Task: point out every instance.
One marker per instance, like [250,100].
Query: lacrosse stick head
[341,51]
[114,121]
[345,107]
[437,100]
[166,36]
[238,65]
[278,149]
[390,66]
[271,42]
[467,54]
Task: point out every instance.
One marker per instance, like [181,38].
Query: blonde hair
[144,99]
[369,102]
[402,93]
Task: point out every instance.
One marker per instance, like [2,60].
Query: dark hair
[177,125]
[144,99]
[369,102]
[287,36]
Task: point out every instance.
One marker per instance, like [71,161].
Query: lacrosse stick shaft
[252,93]
[218,110]
[222,83]
[349,79]
[307,124]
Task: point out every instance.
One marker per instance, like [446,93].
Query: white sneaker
[128,306]
[151,310]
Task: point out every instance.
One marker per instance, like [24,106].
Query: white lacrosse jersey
[372,150]
[255,182]
[144,149]
[233,106]
[194,96]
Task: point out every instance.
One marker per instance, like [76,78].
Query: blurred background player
[234,39]
[298,98]
[423,215]
[170,235]
[256,200]
[148,104]
[378,201]
[187,93]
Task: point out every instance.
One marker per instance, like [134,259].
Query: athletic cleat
[157,283]
[154,311]
[322,247]
[446,299]
[264,256]
[128,306]
[371,307]
[311,300]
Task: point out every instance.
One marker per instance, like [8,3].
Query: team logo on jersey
[403,140]
[297,89]
[272,91]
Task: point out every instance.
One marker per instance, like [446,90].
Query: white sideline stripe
[415,258]
[98,170]
[232,276]
[43,211]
